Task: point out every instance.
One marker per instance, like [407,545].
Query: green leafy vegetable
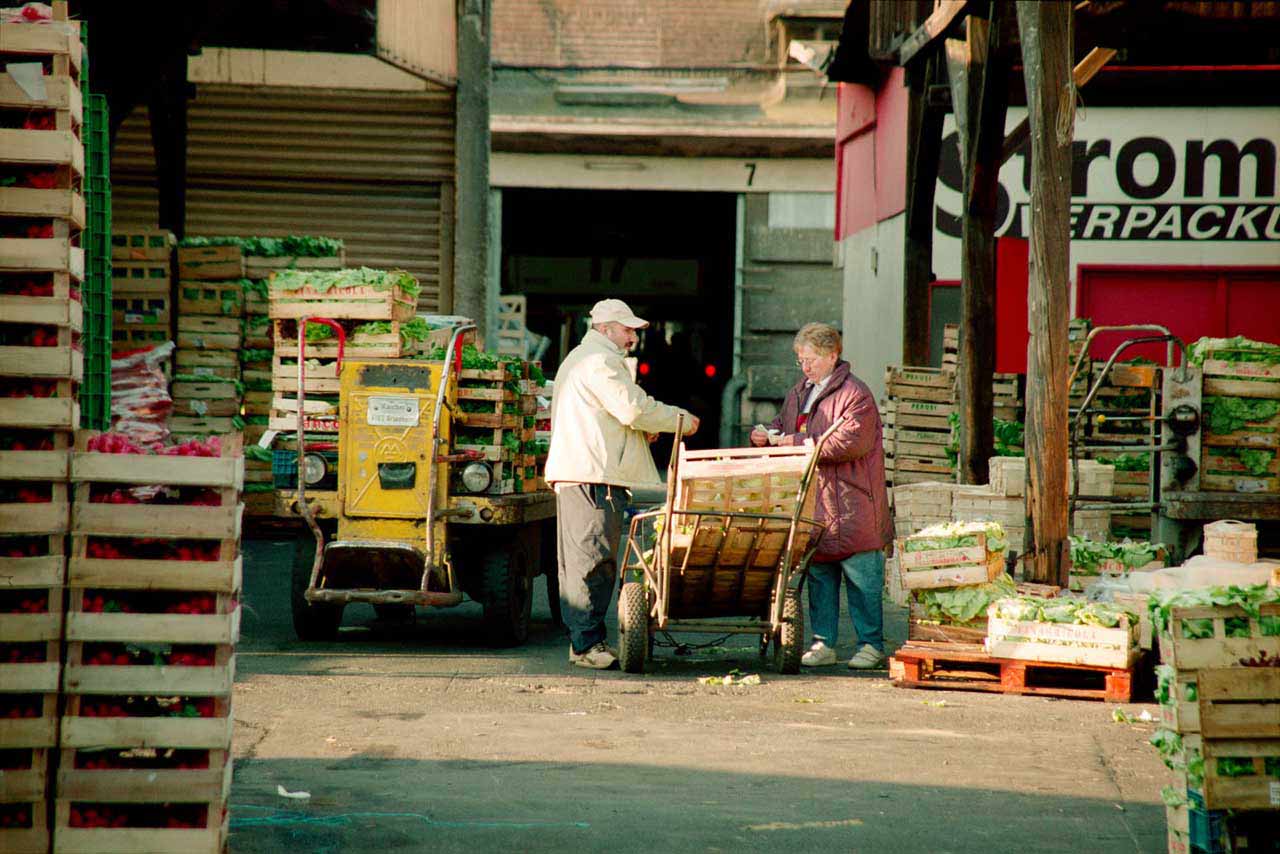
[255,355]
[1088,555]
[1237,349]
[1228,414]
[273,247]
[959,605]
[1128,462]
[1064,610]
[1250,599]
[258,453]
[956,535]
[361,277]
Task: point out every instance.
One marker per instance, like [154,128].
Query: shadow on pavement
[370,803]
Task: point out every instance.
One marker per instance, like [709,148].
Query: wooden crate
[363,303]
[48,517]
[1247,792]
[210,262]
[387,345]
[204,400]
[320,417]
[207,363]
[140,308]
[41,255]
[256,403]
[921,628]
[1180,714]
[56,42]
[257,332]
[948,567]
[63,361]
[211,839]
[209,333]
[66,205]
[225,474]
[30,840]
[754,480]
[143,785]
[1180,651]
[1063,643]
[1239,702]
[141,277]
[922,384]
[319,378]
[1231,540]
[142,244]
[59,411]
[60,148]
[215,298]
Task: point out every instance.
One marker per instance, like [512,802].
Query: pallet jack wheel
[633,627]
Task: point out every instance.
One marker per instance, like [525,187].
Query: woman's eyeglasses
[801,362]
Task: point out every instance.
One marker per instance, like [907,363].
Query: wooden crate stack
[151,626]
[349,306]
[210,312]
[141,299]
[944,568]
[41,363]
[1220,698]
[1007,400]
[1130,392]
[917,425]
[503,429]
[1222,468]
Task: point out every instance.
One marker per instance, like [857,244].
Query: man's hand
[692,426]
[651,437]
[759,438]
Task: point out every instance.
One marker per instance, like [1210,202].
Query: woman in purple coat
[852,504]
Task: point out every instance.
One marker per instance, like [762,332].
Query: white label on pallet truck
[393,412]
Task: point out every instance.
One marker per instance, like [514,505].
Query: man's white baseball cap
[616,311]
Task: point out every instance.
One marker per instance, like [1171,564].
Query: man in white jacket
[601,425]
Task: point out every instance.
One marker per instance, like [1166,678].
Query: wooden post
[924,144]
[1045,30]
[979,74]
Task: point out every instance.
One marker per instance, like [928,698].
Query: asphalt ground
[420,737]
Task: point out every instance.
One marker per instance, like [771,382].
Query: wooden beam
[978,70]
[928,34]
[1045,30]
[924,148]
[1083,73]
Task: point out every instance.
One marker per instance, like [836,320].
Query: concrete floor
[419,738]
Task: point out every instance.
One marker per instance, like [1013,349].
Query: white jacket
[599,418]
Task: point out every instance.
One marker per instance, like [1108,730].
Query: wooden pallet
[210,262]
[142,244]
[209,333]
[364,303]
[967,667]
[215,298]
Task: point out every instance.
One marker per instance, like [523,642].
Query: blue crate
[1208,828]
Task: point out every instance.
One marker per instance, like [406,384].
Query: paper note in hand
[775,436]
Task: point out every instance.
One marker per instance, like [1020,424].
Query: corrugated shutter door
[367,167]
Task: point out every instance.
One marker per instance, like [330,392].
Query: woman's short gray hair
[822,337]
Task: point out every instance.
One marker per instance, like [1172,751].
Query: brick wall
[634,33]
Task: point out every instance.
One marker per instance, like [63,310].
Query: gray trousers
[588,532]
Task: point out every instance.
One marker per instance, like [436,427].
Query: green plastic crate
[95,390]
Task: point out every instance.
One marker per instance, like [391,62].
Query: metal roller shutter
[371,168]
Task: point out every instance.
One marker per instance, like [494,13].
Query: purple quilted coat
[852,504]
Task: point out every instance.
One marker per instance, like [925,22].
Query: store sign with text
[1184,174]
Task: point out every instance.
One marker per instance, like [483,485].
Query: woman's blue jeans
[864,582]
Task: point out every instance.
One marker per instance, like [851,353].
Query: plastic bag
[140,401]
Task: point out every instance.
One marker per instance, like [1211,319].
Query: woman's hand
[759,438]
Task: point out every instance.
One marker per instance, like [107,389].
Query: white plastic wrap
[140,401]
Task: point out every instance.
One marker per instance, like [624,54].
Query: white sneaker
[599,657]
[819,655]
[867,658]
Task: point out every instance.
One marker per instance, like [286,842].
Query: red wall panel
[856,207]
[1191,302]
[1012,333]
[891,146]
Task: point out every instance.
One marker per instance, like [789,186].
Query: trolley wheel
[312,621]
[788,645]
[633,627]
